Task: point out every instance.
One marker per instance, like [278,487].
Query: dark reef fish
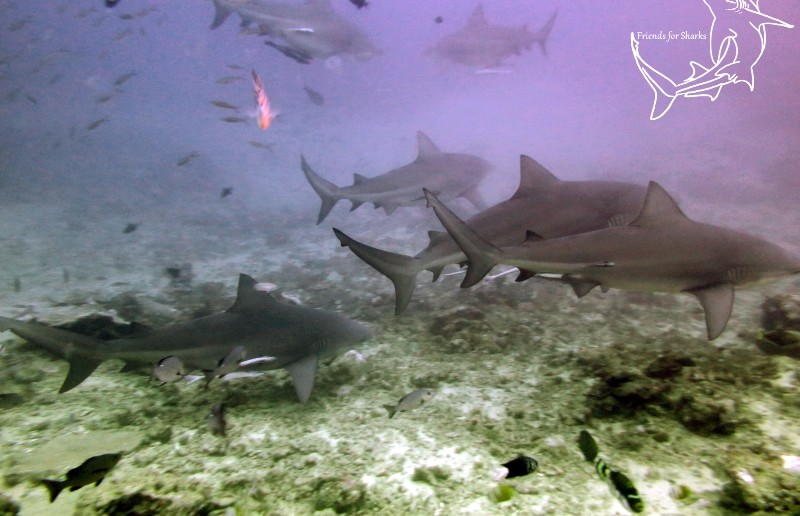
[296,337]
[661,250]
[314,96]
[360,4]
[216,422]
[226,192]
[92,471]
[481,45]
[519,467]
[619,481]
[130,228]
[450,174]
[555,208]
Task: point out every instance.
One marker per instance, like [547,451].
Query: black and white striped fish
[618,480]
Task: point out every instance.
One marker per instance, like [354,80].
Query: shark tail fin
[663,87]
[401,269]
[221,14]
[328,192]
[542,34]
[77,349]
[54,487]
[481,254]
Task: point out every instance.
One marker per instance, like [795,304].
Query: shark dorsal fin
[426,146]
[658,206]
[248,297]
[533,174]
[358,179]
[477,18]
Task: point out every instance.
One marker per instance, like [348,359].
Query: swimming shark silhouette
[296,337]
[450,175]
[737,40]
[481,45]
[661,250]
[311,29]
[554,207]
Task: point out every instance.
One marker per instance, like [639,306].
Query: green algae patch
[502,493]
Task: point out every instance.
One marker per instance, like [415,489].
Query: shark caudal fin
[542,34]
[481,254]
[328,192]
[664,88]
[399,268]
[77,349]
[221,14]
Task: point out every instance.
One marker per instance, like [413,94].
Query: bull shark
[450,175]
[311,29]
[485,46]
[661,250]
[737,40]
[293,337]
[554,207]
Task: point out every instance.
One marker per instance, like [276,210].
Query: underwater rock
[782,311]
[625,391]
[431,475]
[180,275]
[340,495]
[668,365]
[8,507]
[780,320]
[705,415]
[759,484]
[464,329]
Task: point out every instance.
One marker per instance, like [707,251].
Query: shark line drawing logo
[737,39]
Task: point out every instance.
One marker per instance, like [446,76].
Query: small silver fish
[227,364]
[410,401]
[216,420]
[314,96]
[169,369]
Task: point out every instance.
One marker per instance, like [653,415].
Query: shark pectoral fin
[524,275]
[388,207]
[80,368]
[717,302]
[303,373]
[579,286]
